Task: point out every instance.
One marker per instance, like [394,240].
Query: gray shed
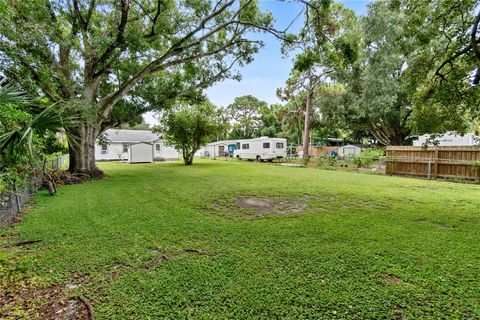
[141,152]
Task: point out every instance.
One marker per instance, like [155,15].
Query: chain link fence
[13,200]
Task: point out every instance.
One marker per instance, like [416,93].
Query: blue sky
[269,70]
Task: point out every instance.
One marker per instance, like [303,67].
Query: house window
[125,148]
[104,149]
[157,148]
[266,145]
[245,146]
[279,145]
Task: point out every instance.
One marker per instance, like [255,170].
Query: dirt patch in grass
[439,224]
[54,302]
[273,205]
[389,278]
[265,206]
[260,206]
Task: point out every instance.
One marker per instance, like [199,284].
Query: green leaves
[306,60]
[189,127]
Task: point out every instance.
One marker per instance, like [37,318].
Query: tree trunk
[308,111]
[188,160]
[82,150]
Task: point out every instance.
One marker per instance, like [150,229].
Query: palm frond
[20,139]
[10,92]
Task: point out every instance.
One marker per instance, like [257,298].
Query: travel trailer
[263,148]
[447,139]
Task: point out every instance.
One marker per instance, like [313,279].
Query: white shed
[350,150]
[140,152]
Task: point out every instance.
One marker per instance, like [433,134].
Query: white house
[114,145]
[448,139]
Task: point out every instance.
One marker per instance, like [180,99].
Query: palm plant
[9,92]
[17,138]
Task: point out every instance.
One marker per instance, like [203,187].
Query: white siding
[114,152]
[212,149]
[163,151]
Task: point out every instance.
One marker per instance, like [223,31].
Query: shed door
[221,150]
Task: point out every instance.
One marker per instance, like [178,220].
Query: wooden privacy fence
[318,151]
[434,162]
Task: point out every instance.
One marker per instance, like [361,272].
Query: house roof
[222,142]
[130,136]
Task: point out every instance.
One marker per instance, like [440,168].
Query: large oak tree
[111,60]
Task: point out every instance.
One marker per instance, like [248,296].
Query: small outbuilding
[350,150]
[141,152]
[223,148]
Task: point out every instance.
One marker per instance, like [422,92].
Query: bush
[332,160]
[367,157]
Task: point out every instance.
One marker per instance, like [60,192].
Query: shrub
[332,160]
[367,157]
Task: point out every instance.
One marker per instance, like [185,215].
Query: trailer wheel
[259,159]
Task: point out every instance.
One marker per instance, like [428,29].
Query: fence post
[436,162]
[429,168]
[17,200]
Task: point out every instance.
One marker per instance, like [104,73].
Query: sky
[269,70]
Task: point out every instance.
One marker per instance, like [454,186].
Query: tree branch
[476,49]
[124,7]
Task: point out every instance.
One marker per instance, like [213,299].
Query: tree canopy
[405,67]
[189,127]
[113,60]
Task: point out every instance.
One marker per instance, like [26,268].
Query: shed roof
[130,136]
[357,146]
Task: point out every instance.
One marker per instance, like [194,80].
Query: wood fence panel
[434,162]
[318,152]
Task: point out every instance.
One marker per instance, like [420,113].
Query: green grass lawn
[366,246]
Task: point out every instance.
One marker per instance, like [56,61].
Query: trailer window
[245,146]
[237,146]
[279,145]
[266,145]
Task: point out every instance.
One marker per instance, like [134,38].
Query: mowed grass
[366,247]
